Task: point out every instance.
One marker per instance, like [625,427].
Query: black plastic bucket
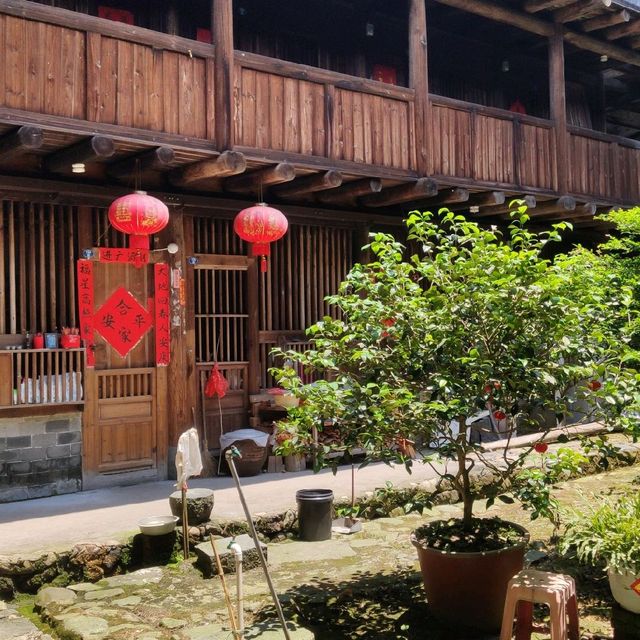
[315,508]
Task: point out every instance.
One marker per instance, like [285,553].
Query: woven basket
[253,457]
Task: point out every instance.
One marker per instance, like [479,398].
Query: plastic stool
[553,589]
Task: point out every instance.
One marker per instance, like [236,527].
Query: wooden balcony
[43,377]
[145,89]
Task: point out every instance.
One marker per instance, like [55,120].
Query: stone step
[250,559]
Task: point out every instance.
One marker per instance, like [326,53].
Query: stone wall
[40,456]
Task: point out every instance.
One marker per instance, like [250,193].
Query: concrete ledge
[573,431]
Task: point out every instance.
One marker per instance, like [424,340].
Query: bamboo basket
[253,457]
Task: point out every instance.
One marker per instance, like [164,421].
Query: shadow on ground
[367,605]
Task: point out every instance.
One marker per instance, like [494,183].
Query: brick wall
[40,456]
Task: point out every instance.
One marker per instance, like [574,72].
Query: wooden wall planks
[38,250]
[497,148]
[284,114]
[94,77]
[372,129]
[320,118]
[601,167]
[138,86]
[43,67]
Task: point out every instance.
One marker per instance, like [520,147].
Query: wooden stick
[227,598]
[185,523]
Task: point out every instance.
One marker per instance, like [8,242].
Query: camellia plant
[469,321]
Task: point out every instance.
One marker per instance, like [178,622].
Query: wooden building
[343,113]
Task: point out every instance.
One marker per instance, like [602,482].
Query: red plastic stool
[553,589]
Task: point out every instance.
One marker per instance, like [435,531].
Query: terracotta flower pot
[468,590]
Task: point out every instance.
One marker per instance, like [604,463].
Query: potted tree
[471,320]
[608,533]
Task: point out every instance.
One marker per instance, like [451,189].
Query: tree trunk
[465,492]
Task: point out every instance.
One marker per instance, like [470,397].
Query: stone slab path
[367,582]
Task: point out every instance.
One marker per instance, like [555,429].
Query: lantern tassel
[263,264]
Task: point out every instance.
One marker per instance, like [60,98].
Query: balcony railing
[41,377]
[72,66]
[297,109]
[491,146]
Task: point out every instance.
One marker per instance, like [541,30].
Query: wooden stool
[553,589]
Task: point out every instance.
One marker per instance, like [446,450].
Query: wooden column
[419,81]
[558,105]
[222,33]
[178,401]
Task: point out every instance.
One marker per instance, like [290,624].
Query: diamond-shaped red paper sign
[636,586]
[122,321]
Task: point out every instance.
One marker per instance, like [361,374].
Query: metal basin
[157,525]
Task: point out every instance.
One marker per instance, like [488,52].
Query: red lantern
[260,225]
[139,215]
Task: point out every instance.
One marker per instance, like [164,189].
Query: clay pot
[199,505]
[468,590]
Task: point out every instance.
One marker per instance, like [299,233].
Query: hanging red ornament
[217,384]
[260,225]
[139,215]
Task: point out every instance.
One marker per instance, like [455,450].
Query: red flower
[488,388]
[499,415]
[384,334]
[389,322]
[541,447]
[594,385]
[497,385]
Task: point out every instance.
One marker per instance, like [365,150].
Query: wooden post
[177,405]
[253,342]
[558,106]
[419,81]
[222,33]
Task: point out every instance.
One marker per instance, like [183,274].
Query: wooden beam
[158,159]
[634,43]
[21,140]
[455,195]
[418,190]
[606,20]
[558,105]
[580,9]
[226,164]
[255,180]
[419,81]
[631,28]
[561,206]
[583,41]
[529,201]
[309,184]
[89,150]
[536,25]
[499,13]
[534,6]
[349,192]
[580,211]
[222,36]
[487,198]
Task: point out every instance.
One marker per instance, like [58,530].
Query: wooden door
[225,295]
[125,406]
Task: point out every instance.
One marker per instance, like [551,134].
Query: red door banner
[161,306]
[137,257]
[85,306]
[122,321]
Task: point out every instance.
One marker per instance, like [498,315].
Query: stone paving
[176,603]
